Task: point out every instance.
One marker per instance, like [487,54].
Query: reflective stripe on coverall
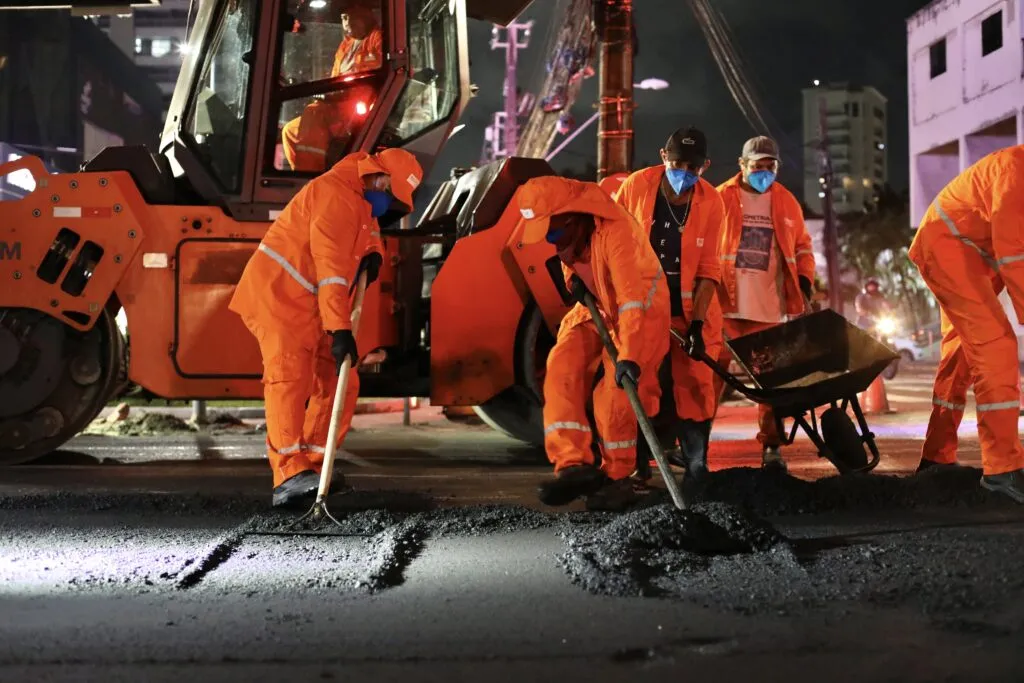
[297,287]
[632,296]
[797,258]
[973,231]
[305,138]
[692,380]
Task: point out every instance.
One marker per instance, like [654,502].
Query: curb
[390,405]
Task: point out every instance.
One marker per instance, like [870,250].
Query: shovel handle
[327,469]
[638,408]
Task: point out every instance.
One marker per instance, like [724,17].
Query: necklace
[686,210]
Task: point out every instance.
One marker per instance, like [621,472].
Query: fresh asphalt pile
[723,554]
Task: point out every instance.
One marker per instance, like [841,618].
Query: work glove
[806,286]
[371,263]
[578,290]
[695,339]
[624,369]
[343,345]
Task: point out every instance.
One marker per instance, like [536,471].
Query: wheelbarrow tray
[814,360]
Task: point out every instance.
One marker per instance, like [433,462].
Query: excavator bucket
[501,12]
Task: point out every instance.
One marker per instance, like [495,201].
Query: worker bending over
[971,242]
[306,138]
[295,297]
[606,254]
[767,263]
[682,214]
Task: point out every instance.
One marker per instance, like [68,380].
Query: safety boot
[693,444]
[571,483]
[926,464]
[1009,483]
[297,488]
[771,459]
[618,495]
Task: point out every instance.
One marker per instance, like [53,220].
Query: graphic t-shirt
[667,241]
[759,283]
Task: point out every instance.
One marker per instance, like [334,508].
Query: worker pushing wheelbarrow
[817,360]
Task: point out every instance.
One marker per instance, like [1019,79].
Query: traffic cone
[874,401]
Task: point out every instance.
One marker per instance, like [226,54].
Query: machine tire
[77,401]
[842,438]
[517,411]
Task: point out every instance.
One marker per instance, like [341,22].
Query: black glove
[695,339]
[624,369]
[806,286]
[577,289]
[371,263]
[343,345]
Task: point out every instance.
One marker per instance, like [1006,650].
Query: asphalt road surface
[155,559]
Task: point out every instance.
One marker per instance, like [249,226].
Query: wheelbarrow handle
[756,395]
[638,408]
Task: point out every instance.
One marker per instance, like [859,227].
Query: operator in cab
[682,215]
[969,246]
[306,138]
[603,252]
[767,263]
[295,296]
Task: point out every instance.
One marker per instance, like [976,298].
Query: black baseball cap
[687,145]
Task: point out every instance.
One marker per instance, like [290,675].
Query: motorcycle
[883,330]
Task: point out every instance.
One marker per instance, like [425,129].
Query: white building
[855,126]
[154,38]
[966,89]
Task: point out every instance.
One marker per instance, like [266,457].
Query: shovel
[638,409]
[319,508]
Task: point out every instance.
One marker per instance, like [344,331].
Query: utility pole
[502,136]
[831,236]
[615,124]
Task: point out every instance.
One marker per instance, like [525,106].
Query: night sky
[784,45]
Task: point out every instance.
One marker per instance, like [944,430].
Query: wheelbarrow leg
[823,450]
[866,435]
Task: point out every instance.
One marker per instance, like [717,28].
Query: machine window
[433,89]
[332,59]
[216,118]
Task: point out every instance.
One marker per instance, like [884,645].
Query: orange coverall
[692,380]
[798,254]
[630,291]
[297,287]
[971,238]
[305,138]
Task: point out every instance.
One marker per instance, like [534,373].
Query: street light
[651,84]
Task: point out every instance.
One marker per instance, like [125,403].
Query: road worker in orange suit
[682,214]
[767,263]
[604,253]
[305,139]
[969,244]
[295,297]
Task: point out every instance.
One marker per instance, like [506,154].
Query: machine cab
[274,92]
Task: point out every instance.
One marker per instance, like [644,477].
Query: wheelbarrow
[817,360]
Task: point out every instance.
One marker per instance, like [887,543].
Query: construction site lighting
[651,84]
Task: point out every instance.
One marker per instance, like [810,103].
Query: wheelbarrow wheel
[843,440]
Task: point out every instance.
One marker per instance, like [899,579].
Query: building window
[855,109]
[937,57]
[992,33]
[879,114]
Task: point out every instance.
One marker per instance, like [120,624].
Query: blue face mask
[380,201]
[681,179]
[555,235]
[761,180]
